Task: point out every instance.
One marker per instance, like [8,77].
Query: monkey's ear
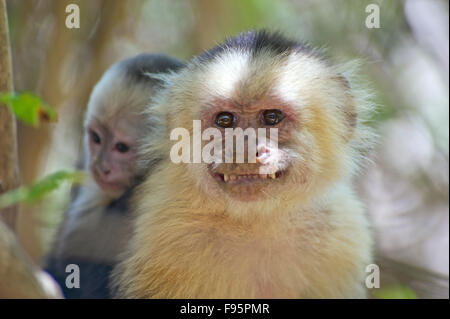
[349,106]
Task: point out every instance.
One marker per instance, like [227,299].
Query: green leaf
[40,189]
[395,292]
[28,108]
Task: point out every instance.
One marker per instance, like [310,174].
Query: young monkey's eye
[122,147]
[95,138]
[225,119]
[272,117]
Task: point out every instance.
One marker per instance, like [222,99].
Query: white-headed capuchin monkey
[96,224]
[286,226]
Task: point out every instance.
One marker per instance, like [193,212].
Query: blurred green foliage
[395,292]
[40,189]
[31,110]
[28,108]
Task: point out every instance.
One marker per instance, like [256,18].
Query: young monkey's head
[114,124]
[259,80]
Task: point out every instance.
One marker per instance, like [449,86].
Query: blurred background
[406,60]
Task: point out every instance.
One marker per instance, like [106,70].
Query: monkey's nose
[104,171]
[262,154]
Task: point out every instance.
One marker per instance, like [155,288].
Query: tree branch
[9,171]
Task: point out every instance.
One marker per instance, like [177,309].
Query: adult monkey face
[265,166]
[286,87]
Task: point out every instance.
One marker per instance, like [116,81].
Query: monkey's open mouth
[245,178]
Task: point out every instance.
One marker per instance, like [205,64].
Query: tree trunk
[9,175]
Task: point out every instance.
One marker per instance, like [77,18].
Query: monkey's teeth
[227,178]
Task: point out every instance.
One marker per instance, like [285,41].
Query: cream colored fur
[309,239]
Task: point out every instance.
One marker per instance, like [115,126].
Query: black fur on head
[136,68]
[255,42]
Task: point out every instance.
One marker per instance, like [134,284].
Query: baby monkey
[285,226]
[96,225]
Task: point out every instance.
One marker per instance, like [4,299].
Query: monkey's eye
[272,117]
[95,138]
[225,119]
[122,147]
